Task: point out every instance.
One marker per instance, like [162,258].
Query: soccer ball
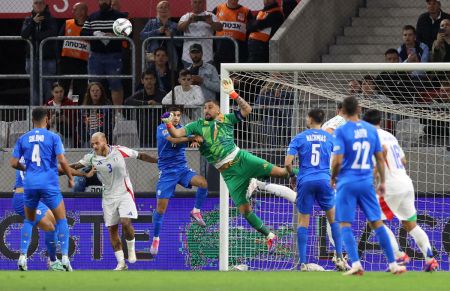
[122,27]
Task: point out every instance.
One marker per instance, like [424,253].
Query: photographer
[441,46]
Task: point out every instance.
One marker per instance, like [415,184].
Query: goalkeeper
[236,166]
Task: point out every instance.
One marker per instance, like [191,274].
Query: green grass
[198,281]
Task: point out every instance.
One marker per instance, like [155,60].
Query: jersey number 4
[362,155]
[36,155]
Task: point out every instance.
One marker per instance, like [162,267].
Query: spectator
[262,29]
[198,23]
[412,51]
[116,5]
[61,121]
[444,92]
[234,18]
[441,46]
[428,23]
[354,87]
[92,119]
[163,72]
[369,90]
[150,95]
[203,74]
[160,26]
[185,93]
[106,54]
[37,27]
[75,53]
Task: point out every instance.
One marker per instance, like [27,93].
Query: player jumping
[352,171]
[42,150]
[173,170]
[118,196]
[399,197]
[236,166]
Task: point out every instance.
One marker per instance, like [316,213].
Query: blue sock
[50,241]
[200,197]
[350,244]
[302,236]
[157,223]
[385,243]
[336,234]
[63,235]
[25,236]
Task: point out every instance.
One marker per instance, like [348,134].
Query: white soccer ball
[122,27]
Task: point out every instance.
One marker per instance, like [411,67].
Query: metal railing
[132,76]
[29,76]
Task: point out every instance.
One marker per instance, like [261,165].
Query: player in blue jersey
[352,172]
[313,147]
[173,170]
[42,150]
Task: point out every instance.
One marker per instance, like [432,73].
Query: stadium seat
[3,134]
[16,129]
[125,133]
[409,131]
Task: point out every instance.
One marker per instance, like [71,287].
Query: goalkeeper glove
[228,87]
[167,119]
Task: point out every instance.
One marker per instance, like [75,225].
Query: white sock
[279,190]
[422,241]
[120,256]
[195,210]
[156,238]
[330,235]
[356,264]
[397,252]
[130,244]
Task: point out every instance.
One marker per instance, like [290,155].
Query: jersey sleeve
[86,160]
[58,145]
[378,147]
[193,128]
[338,144]
[17,152]
[294,146]
[127,152]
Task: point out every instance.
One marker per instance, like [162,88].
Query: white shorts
[114,209]
[400,204]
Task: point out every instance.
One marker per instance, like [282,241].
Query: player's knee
[245,209]
[409,225]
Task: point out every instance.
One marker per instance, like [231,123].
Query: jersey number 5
[36,155]
[315,157]
[362,149]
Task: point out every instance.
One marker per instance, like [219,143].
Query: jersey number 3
[362,155]
[36,155]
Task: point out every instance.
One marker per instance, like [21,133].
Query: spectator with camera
[428,23]
[199,23]
[441,46]
[37,27]
[203,74]
[412,51]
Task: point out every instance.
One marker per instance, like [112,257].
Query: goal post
[415,102]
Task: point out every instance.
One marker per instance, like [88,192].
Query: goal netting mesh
[415,106]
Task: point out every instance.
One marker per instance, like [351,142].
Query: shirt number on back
[362,155]
[396,153]
[36,155]
[109,168]
[315,157]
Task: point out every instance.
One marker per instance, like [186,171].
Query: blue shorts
[168,181]
[18,204]
[50,198]
[319,190]
[106,64]
[360,193]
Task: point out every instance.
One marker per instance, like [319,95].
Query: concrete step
[394,12]
[397,4]
[373,31]
[389,41]
[384,21]
[369,49]
[352,59]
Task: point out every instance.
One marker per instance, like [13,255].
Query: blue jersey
[313,147]
[171,157]
[358,142]
[39,148]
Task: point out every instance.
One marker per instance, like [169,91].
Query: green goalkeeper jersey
[218,136]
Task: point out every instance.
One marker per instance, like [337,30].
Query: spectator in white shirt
[186,93]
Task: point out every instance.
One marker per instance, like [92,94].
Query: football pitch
[210,280]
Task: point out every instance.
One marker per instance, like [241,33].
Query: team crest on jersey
[241,16]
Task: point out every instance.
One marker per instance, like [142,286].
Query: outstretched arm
[178,140]
[174,132]
[228,88]
[65,167]
[147,158]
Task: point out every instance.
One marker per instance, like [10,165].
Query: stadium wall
[310,29]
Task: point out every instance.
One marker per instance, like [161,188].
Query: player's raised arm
[174,132]
[228,88]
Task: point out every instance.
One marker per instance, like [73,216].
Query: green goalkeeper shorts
[244,167]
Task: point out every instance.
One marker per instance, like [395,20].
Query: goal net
[414,100]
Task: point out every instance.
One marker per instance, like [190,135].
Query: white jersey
[112,171]
[397,180]
[334,122]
